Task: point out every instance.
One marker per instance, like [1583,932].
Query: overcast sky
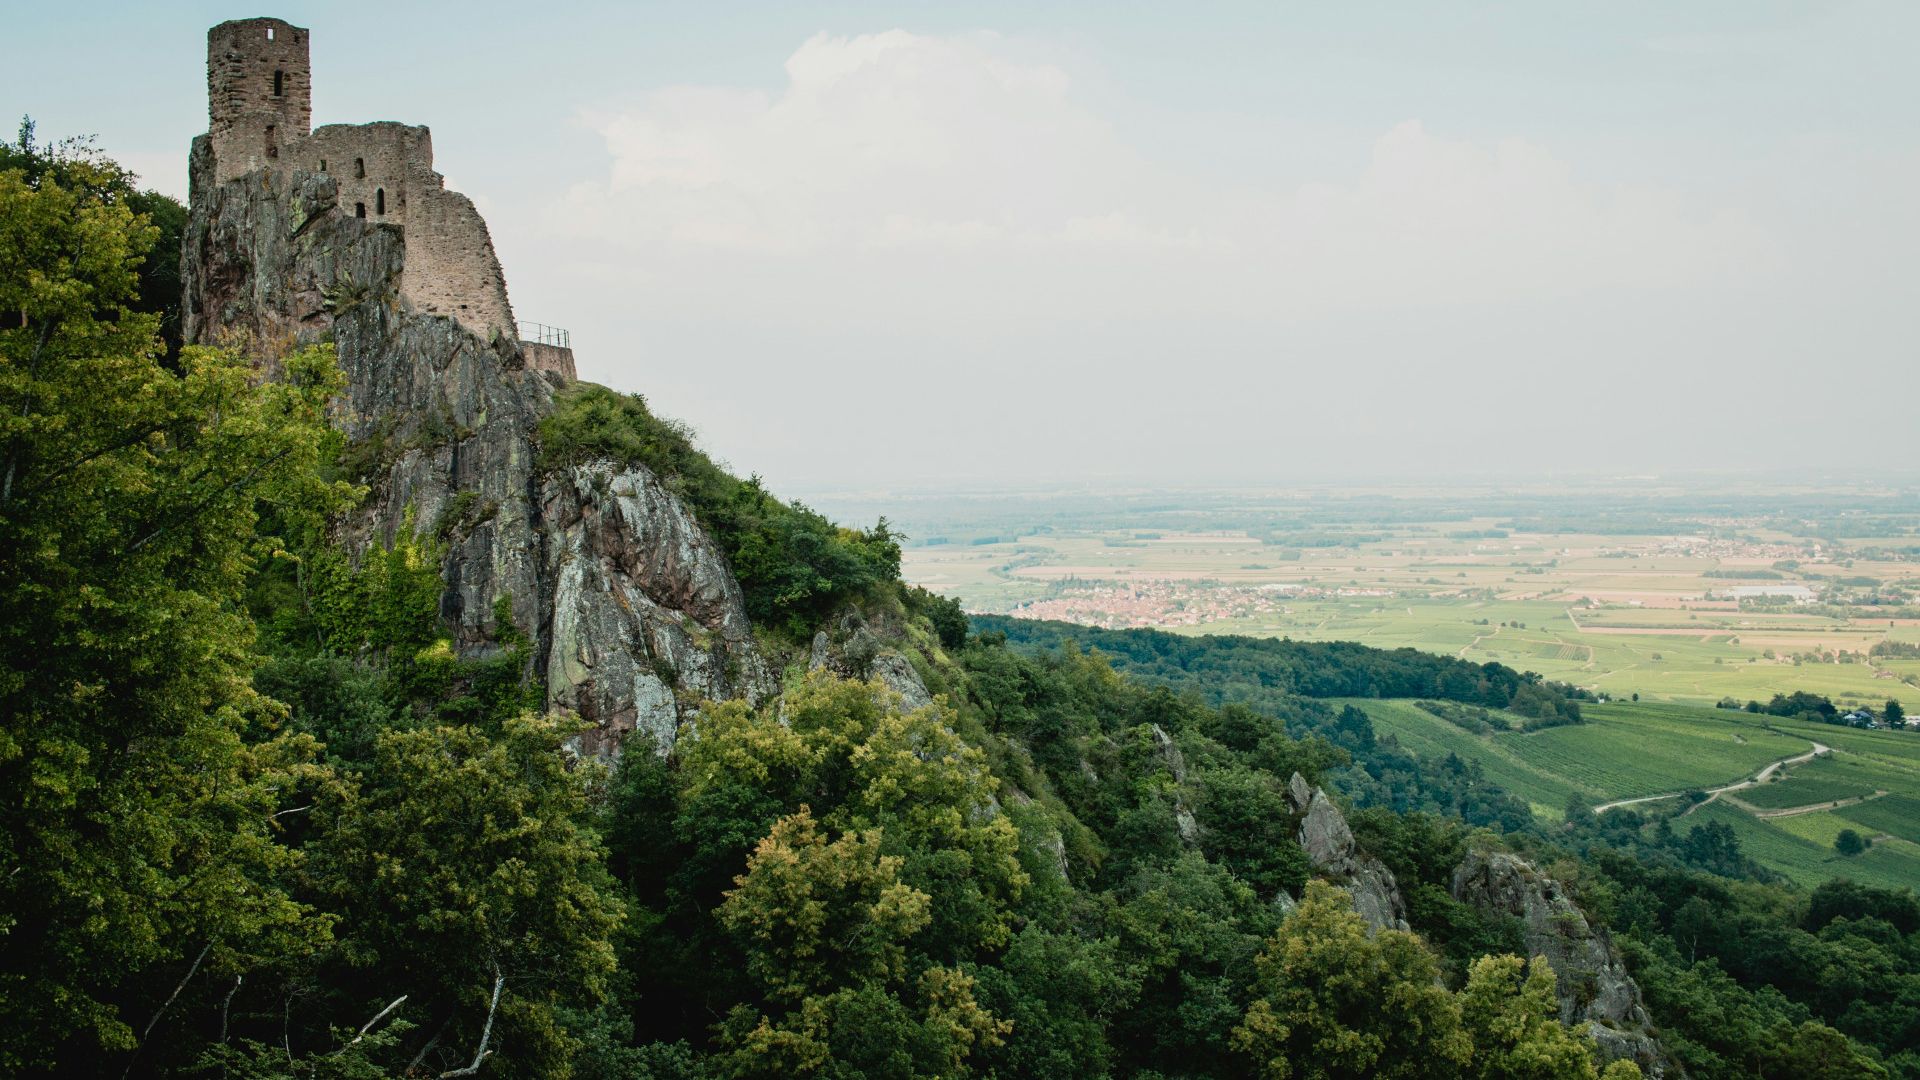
[862,245]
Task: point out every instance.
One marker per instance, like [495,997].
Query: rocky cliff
[868,645]
[630,606]
[1330,847]
[1593,982]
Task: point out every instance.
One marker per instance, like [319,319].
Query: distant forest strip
[1261,672]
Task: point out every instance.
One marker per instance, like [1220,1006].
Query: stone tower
[260,114]
[259,94]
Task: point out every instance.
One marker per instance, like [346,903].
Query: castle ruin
[260,112]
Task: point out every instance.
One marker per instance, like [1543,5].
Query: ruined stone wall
[451,268]
[373,165]
[260,109]
[259,94]
[385,174]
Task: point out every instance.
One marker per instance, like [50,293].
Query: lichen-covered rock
[1176,762]
[630,609]
[1594,986]
[643,606]
[863,646]
[1329,845]
[1299,792]
[895,672]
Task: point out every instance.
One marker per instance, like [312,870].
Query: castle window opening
[279,84]
[359,168]
[269,33]
[359,209]
[380,201]
[323,164]
[273,144]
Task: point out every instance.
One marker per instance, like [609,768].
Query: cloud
[916,256]
[883,151]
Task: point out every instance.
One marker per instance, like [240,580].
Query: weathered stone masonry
[259,96]
[345,233]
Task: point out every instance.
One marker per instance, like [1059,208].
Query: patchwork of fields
[1869,783]
[1617,614]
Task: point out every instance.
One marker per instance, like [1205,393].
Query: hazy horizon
[869,247]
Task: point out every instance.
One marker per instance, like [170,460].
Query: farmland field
[1622,601]
[1891,863]
[1892,815]
[1629,750]
[1666,598]
[1825,780]
[1623,751]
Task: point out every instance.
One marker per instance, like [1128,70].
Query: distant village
[1163,604]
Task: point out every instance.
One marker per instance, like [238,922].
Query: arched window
[269,33]
[360,168]
[279,84]
[380,201]
[359,209]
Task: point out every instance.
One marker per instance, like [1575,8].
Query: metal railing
[542,334]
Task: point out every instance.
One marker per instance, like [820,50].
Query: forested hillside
[266,815]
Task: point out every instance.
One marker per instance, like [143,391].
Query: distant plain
[1616,612]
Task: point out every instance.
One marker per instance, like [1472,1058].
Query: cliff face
[631,608]
[1594,986]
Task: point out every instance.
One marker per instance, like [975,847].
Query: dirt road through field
[1760,777]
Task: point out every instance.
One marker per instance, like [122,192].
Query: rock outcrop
[631,609]
[1330,848]
[1594,986]
[861,646]
[1176,762]
[644,611]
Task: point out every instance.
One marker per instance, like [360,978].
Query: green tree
[1893,713]
[136,828]
[1249,827]
[1338,1001]
[1513,1016]
[466,879]
[1849,842]
[826,925]
[76,165]
[815,914]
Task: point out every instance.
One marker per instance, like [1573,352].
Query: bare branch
[227,1004]
[486,1032]
[376,1019]
[428,1048]
[158,1013]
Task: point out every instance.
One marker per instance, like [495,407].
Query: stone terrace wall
[555,358]
[252,126]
